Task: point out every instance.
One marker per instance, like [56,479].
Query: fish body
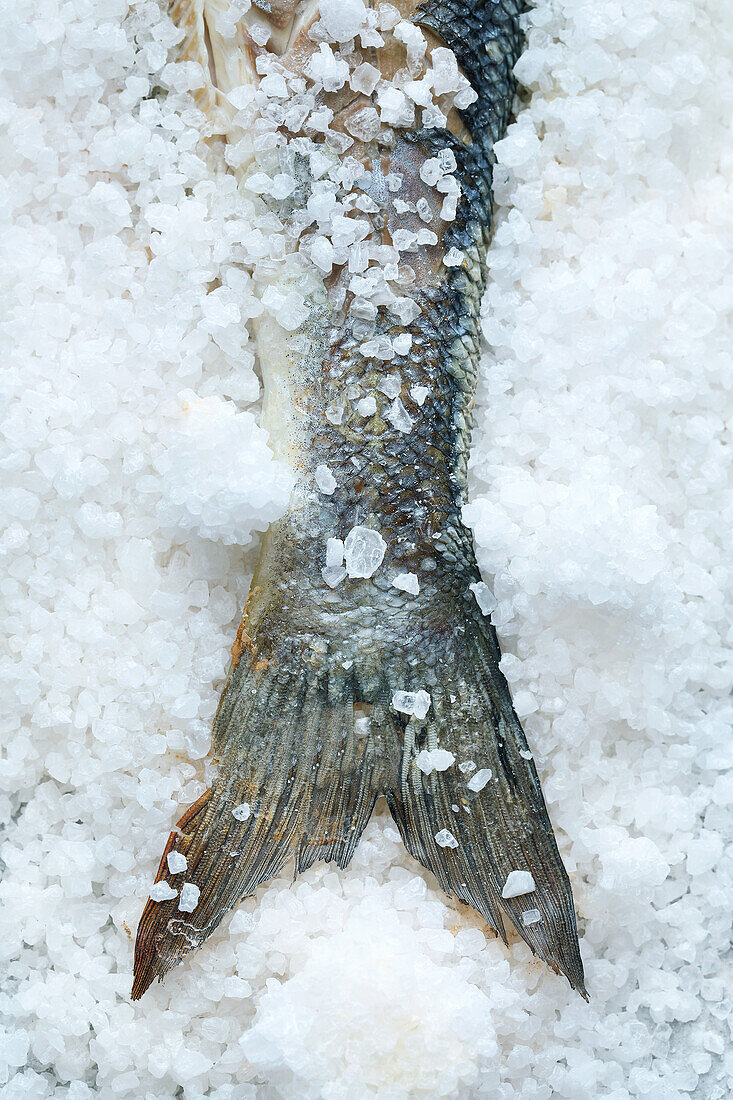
[341,684]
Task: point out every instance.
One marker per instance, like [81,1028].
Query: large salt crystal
[531,916]
[242,812]
[342,19]
[325,480]
[367,406]
[177,862]
[517,884]
[161,891]
[416,703]
[364,550]
[435,760]
[445,839]
[399,417]
[394,107]
[189,898]
[478,781]
[328,70]
[365,78]
[407,582]
[484,597]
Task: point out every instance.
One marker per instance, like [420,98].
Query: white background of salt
[601,503]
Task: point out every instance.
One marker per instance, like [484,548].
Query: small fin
[310,782]
[502,828]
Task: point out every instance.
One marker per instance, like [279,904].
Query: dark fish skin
[309,659]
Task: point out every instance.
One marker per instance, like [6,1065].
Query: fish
[344,686]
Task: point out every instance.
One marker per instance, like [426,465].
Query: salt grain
[407,582]
[177,862]
[189,898]
[415,703]
[478,781]
[161,891]
[517,884]
[445,839]
[242,812]
[364,550]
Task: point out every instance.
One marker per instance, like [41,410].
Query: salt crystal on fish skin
[478,781]
[189,898]
[445,839]
[407,582]
[325,480]
[364,550]
[531,916]
[161,891]
[517,884]
[177,862]
[438,760]
[418,394]
[242,812]
[416,703]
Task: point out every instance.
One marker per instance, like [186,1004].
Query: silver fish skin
[307,734]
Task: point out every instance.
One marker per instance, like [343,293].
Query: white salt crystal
[416,703]
[402,343]
[335,413]
[407,582]
[176,862]
[242,812]
[334,553]
[322,253]
[399,417]
[478,781]
[531,916]
[327,69]
[333,575]
[525,754]
[467,767]
[342,19]
[394,106]
[518,883]
[325,480]
[454,257]
[367,406]
[484,597]
[189,898]
[390,385]
[161,891]
[365,78]
[423,208]
[445,839]
[437,760]
[364,550]
[418,394]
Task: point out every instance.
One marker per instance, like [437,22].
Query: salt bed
[601,505]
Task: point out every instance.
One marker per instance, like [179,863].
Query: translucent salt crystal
[363,124]
[394,107]
[342,19]
[413,39]
[467,767]
[518,883]
[333,575]
[365,78]
[445,839]
[404,240]
[418,394]
[389,17]
[423,208]
[322,254]
[189,898]
[378,348]
[259,32]
[362,726]
[437,760]
[420,91]
[454,257]
[161,891]
[334,553]
[367,406]
[525,754]
[407,582]
[402,343]
[478,781]
[433,117]
[335,413]
[391,385]
[405,309]
[532,916]
[431,172]
[399,417]
[426,236]
[364,550]
[484,597]
[242,812]
[325,480]
[326,69]
[394,182]
[446,76]
[416,703]
[177,862]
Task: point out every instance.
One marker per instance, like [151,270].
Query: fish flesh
[364,665]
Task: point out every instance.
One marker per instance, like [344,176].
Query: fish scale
[309,660]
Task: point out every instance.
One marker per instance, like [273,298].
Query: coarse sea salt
[407,582]
[517,884]
[325,480]
[478,781]
[364,550]
[189,898]
[416,703]
[445,839]
[435,760]
[177,862]
[161,891]
[531,916]
[242,812]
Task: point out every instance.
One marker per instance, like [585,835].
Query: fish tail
[297,781]
[473,826]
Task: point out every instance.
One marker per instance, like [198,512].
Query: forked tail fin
[299,773]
